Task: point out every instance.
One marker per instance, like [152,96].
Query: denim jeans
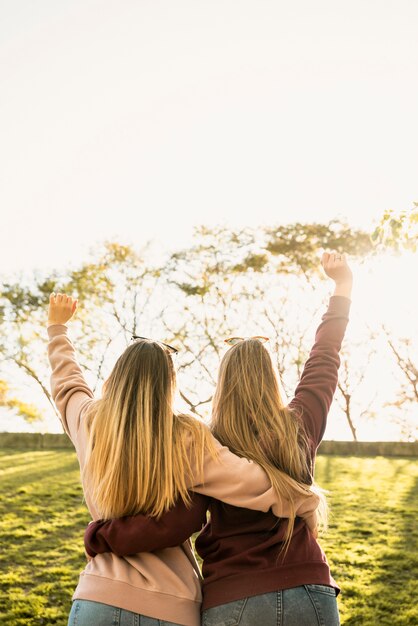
[87,613]
[309,605]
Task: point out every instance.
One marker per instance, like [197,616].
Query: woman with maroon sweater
[258,569]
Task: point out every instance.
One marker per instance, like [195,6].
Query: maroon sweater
[241,549]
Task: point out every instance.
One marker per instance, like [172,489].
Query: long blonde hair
[141,454]
[249,416]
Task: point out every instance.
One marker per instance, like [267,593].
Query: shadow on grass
[371,545]
[373,538]
[42,521]
[394,587]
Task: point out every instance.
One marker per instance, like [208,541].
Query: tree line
[226,282]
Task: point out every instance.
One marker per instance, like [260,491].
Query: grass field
[372,543]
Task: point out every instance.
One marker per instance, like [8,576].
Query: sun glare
[385,291]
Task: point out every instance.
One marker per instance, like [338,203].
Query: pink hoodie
[164,584]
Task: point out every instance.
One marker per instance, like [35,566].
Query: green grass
[372,543]
[42,519]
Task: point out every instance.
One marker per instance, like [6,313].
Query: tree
[243,281]
[211,296]
[22,322]
[355,362]
[28,411]
[110,288]
[398,230]
[404,352]
[296,246]
[235,281]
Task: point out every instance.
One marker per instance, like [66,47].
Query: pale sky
[139,119]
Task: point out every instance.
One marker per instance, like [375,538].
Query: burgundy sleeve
[140,533]
[315,391]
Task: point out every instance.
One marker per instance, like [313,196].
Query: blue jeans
[87,613]
[309,605]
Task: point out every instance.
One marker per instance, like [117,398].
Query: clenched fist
[336,267]
[61,308]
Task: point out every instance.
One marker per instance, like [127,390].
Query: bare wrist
[343,288]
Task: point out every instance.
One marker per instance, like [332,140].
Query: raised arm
[70,391]
[315,391]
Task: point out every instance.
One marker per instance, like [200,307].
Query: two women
[257,569]
[138,456]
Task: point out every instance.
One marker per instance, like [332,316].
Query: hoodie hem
[156,604]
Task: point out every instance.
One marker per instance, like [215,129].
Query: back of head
[138,456]
[249,417]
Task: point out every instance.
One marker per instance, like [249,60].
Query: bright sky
[381,295]
[138,120]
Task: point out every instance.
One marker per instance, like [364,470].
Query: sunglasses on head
[171,349]
[232,341]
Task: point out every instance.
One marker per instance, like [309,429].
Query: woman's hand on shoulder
[61,308]
[336,267]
